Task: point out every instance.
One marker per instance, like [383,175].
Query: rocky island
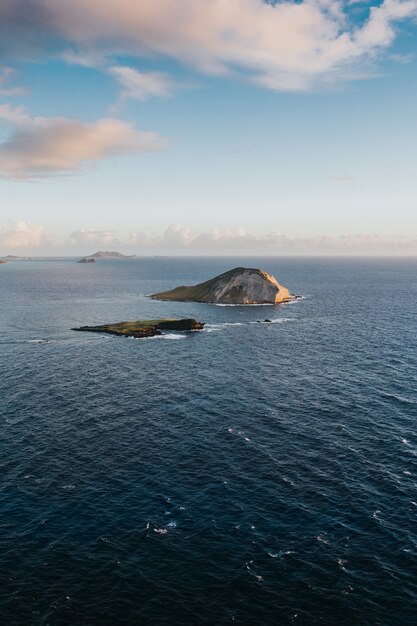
[144,328]
[238,286]
[87,260]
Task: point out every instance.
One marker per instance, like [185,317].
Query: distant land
[110,254]
[101,254]
[12,257]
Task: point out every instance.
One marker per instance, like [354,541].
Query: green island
[144,328]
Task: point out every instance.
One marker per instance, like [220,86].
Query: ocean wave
[163,336]
[39,341]
[271,304]
[397,398]
[280,554]
[275,320]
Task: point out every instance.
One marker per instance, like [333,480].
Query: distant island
[110,254]
[2,261]
[144,328]
[12,257]
[101,254]
[238,286]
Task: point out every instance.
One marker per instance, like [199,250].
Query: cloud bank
[41,146]
[178,239]
[24,238]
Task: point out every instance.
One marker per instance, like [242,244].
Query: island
[13,257]
[110,254]
[2,261]
[144,328]
[237,286]
[87,260]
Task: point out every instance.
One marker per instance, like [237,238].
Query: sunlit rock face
[238,286]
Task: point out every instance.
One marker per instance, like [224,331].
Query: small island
[2,261]
[110,254]
[144,328]
[13,257]
[238,286]
[87,260]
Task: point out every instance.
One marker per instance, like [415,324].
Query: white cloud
[285,45]
[142,85]
[42,146]
[178,239]
[23,237]
[14,114]
[94,237]
[21,234]
[177,235]
[7,75]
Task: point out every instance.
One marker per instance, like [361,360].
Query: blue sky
[235,128]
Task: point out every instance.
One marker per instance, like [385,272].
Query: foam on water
[276,320]
[241,305]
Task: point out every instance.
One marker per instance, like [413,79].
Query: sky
[208,127]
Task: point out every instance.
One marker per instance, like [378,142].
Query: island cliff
[238,286]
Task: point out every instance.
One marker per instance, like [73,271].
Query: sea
[252,473]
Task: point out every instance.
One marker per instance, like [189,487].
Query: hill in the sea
[12,257]
[110,254]
[238,286]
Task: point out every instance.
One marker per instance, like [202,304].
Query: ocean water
[249,474]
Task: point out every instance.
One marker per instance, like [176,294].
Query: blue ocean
[250,473]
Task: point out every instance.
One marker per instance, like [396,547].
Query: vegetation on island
[144,328]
